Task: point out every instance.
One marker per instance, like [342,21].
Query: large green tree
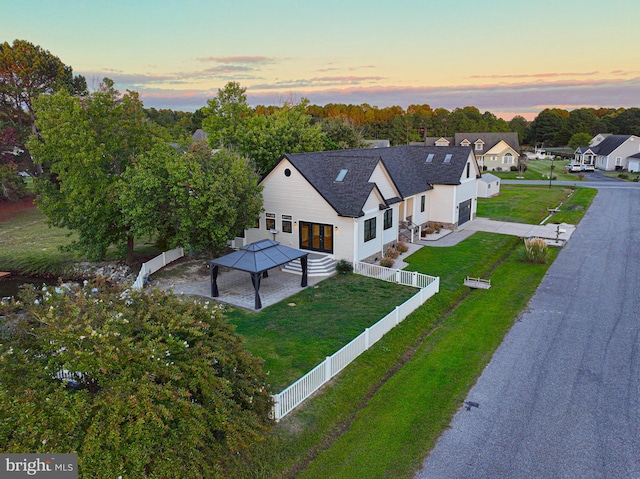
[26,72]
[264,138]
[12,187]
[150,385]
[89,143]
[200,198]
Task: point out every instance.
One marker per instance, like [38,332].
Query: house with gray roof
[493,151]
[609,152]
[351,204]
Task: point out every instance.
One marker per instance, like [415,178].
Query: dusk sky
[505,56]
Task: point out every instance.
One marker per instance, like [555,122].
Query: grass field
[539,170]
[530,204]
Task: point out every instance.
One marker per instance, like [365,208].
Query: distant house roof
[609,144]
[488,139]
[413,169]
[199,134]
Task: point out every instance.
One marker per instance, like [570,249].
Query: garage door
[464,212]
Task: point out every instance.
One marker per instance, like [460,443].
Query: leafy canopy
[88,143]
[162,386]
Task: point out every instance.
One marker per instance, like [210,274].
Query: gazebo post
[213,271]
[303,263]
[255,279]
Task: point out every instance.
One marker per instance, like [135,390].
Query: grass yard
[539,170]
[294,339]
[529,204]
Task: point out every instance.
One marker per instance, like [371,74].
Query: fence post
[164,258]
[397,311]
[276,406]
[366,338]
[327,369]
[414,279]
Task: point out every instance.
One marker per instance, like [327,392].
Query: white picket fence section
[304,387]
[155,264]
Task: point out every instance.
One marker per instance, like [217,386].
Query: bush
[513,168]
[344,267]
[151,378]
[536,250]
[401,247]
[391,253]
[429,230]
[623,176]
[387,262]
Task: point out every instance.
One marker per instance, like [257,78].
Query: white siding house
[349,204]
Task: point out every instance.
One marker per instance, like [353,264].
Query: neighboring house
[493,151]
[488,185]
[351,204]
[199,134]
[609,152]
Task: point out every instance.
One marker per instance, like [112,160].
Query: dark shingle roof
[321,169]
[407,166]
[609,144]
[490,139]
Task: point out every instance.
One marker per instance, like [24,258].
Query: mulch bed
[8,209]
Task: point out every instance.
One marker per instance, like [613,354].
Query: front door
[464,212]
[316,237]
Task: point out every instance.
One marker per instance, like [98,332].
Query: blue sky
[507,57]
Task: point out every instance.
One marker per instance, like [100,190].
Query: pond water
[9,286]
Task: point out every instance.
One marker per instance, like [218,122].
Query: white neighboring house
[495,151]
[609,152]
[488,186]
[351,204]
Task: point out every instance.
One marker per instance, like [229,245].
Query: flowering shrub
[154,385]
[391,253]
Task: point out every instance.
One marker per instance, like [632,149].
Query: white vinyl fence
[155,264]
[304,387]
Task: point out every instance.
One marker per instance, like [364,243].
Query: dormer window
[479,145]
[465,142]
[341,175]
[442,142]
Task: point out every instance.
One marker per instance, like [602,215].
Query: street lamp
[551,171]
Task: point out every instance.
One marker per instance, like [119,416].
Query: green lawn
[539,170]
[529,204]
[28,245]
[294,339]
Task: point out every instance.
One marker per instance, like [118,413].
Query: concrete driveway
[561,396]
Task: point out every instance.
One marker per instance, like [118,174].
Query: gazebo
[257,259]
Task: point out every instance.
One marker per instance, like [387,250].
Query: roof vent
[341,175]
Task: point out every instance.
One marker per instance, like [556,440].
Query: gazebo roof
[259,256]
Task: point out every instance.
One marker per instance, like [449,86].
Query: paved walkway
[236,289]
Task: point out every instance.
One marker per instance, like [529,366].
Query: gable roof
[321,169]
[490,139]
[407,166]
[609,144]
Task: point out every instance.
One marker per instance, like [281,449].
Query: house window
[465,143]
[271,221]
[388,218]
[508,159]
[286,224]
[423,199]
[369,229]
[447,158]
[618,161]
[468,170]
[479,145]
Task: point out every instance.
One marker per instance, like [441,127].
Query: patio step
[317,265]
